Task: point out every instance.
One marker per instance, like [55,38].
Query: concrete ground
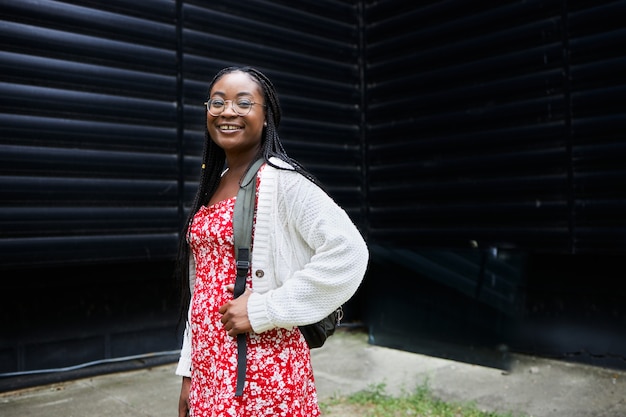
[347,364]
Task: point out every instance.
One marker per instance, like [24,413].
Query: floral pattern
[279,375]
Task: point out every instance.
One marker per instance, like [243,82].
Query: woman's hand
[235,313]
[183,401]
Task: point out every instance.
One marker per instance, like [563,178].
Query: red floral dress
[279,375]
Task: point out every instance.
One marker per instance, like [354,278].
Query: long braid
[272,145]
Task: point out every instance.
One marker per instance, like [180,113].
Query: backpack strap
[243,216]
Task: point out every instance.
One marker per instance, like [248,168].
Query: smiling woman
[244,355]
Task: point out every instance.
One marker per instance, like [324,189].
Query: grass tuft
[375,402]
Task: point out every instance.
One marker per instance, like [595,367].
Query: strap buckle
[242,267]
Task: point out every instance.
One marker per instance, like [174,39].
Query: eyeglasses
[242,106]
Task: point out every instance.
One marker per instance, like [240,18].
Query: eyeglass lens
[217,106]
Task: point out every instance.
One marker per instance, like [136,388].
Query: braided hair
[213,164]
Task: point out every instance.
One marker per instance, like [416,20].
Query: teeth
[229,127]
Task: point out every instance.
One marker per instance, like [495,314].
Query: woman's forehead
[237,83]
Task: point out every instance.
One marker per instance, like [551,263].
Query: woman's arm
[318,257]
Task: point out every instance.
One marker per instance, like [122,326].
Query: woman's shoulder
[282,170]
[285,178]
[286,173]
[279,164]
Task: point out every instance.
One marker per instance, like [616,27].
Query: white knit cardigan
[308,257]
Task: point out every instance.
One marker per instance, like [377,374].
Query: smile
[229,127]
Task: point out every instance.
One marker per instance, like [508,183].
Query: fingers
[235,313]
[223,309]
[183,402]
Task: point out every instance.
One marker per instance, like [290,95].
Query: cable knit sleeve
[311,256]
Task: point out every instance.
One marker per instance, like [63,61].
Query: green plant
[374,402]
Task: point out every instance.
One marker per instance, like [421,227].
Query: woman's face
[230,130]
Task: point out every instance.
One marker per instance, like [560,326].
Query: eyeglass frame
[232,106]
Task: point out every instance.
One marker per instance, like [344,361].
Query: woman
[308,258]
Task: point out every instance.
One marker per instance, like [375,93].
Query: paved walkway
[346,364]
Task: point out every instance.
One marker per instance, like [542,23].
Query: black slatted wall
[88,149]
[501,127]
[596,66]
[460,137]
[89,173]
[101,127]
[496,184]
[102,115]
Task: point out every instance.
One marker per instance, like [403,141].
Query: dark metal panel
[497,125]
[63,162]
[24,69]
[81,18]
[74,191]
[460,305]
[476,120]
[88,132]
[597,73]
[509,113]
[37,221]
[53,102]
[101,127]
[97,248]
[32,130]
[84,48]
[488,124]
